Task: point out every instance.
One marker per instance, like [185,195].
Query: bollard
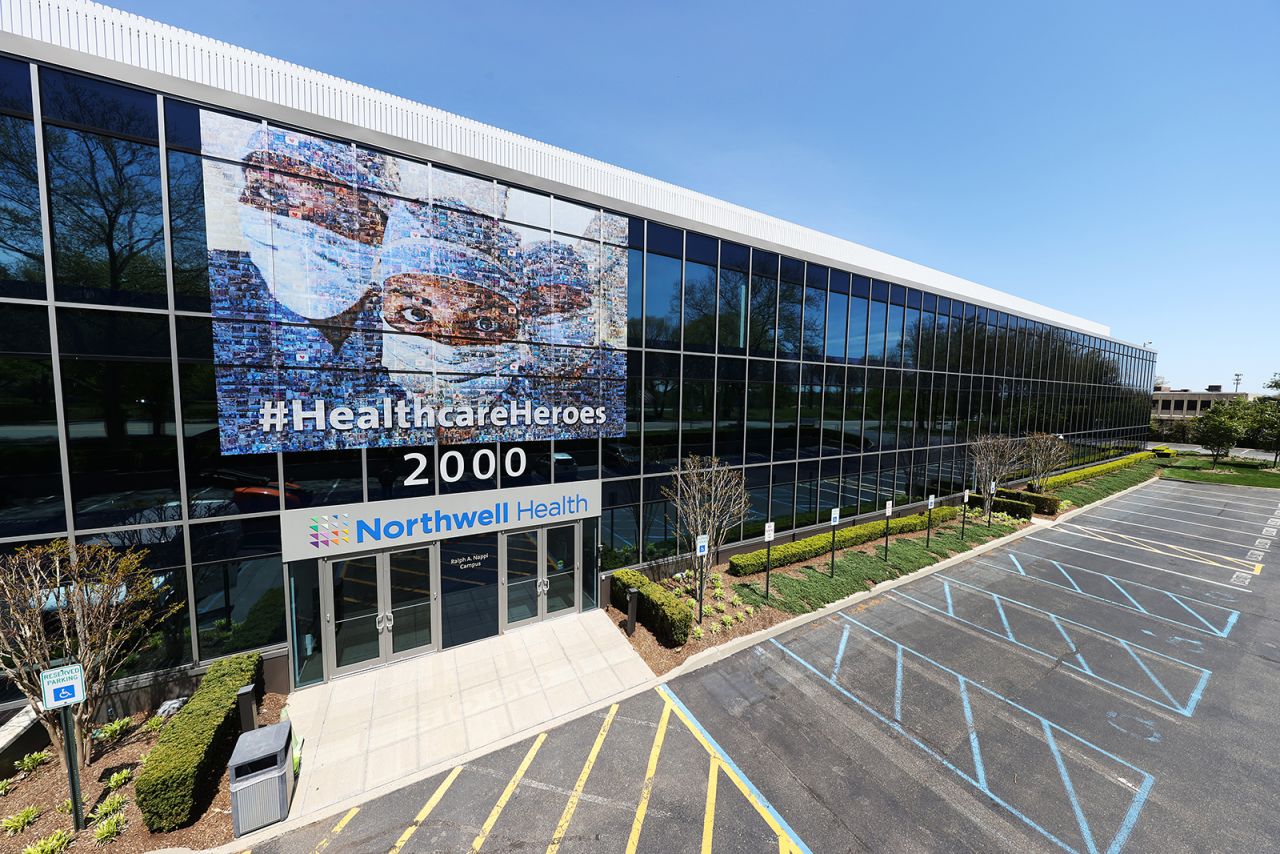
[247,709]
[633,600]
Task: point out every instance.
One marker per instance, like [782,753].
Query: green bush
[1078,475]
[112,731]
[1016,509]
[54,843]
[6,786]
[110,805]
[820,544]
[1162,451]
[19,821]
[1045,504]
[109,829]
[192,749]
[119,779]
[659,609]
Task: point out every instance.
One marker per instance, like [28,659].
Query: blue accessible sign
[62,686]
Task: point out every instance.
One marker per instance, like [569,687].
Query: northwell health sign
[351,528]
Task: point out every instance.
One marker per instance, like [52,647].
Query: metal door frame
[382,562]
[543,585]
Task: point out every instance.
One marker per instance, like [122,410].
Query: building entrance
[388,605]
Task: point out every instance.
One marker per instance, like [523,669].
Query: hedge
[1045,504]
[819,544]
[1016,509]
[193,748]
[669,618]
[1078,475]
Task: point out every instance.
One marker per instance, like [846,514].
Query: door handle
[391,620]
[380,622]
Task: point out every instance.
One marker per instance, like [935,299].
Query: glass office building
[163,203]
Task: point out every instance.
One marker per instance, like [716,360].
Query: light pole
[1239,377]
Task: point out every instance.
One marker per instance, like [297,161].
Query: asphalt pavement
[1104,684]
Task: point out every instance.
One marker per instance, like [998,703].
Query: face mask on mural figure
[309,269]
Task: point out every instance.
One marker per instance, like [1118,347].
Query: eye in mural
[365,300]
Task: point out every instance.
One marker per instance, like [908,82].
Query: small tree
[1045,454]
[1274,382]
[709,497]
[1221,428]
[92,605]
[994,458]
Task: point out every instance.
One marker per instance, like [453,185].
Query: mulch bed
[47,787]
[662,659]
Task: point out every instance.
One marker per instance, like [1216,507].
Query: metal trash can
[262,781]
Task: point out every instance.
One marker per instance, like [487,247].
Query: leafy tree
[1274,382]
[1264,417]
[92,606]
[1221,428]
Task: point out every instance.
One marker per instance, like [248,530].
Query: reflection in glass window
[21,234]
[104,204]
[635,298]
[730,402]
[661,301]
[857,348]
[732,337]
[763,313]
[117,385]
[759,411]
[893,336]
[31,500]
[837,326]
[190,250]
[239,597]
[833,410]
[699,307]
[662,411]
[98,105]
[786,416]
[321,478]
[875,333]
[815,320]
[697,417]
[790,321]
[810,413]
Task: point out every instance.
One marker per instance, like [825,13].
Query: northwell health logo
[335,530]
[330,530]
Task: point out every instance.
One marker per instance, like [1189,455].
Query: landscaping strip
[1232,472]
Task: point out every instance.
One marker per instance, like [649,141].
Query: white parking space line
[1246,531]
[1173,531]
[1201,504]
[1058,545]
[1160,547]
[1162,501]
[1226,496]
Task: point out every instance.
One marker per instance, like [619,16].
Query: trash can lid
[262,742]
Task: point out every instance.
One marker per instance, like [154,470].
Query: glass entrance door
[381,607]
[540,573]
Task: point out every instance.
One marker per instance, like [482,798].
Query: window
[790,306]
[21,235]
[763,313]
[815,312]
[730,402]
[734,278]
[662,271]
[189,249]
[697,415]
[237,585]
[31,499]
[662,411]
[700,293]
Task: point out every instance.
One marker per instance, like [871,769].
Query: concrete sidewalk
[374,728]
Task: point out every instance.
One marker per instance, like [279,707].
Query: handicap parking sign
[701,543]
[62,686]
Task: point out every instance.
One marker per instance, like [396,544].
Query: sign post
[928,531]
[964,519]
[700,549]
[888,511]
[835,520]
[992,503]
[768,555]
[61,688]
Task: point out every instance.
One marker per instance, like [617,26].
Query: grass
[1097,488]
[1228,472]
[815,588]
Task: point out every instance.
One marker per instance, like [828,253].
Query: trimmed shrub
[1016,509]
[1162,451]
[194,746]
[1078,475]
[820,544]
[1044,504]
[659,609]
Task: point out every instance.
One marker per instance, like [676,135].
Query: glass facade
[829,388]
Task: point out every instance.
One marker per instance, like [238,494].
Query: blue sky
[1120,161]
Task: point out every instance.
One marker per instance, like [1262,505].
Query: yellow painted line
[709,813]
[337,828]
[1184,552]
[567,816]
[1257,569]
[737,781]
[647,788]
[507,793]
[426,810]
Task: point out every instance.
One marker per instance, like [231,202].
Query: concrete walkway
[374,728]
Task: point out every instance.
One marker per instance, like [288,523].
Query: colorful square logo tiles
[331,530]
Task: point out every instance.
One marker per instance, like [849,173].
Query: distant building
[1169,405]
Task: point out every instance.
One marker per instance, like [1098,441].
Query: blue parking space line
[1183,709]
[1135,807]
[978,768]
[897,687]
[1152,677]
[1084,665]
[1119,584]
[1081,821]
[1008,631]
[951,608]
[670,695]
[844,639]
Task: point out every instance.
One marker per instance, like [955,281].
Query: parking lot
[1102,684]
